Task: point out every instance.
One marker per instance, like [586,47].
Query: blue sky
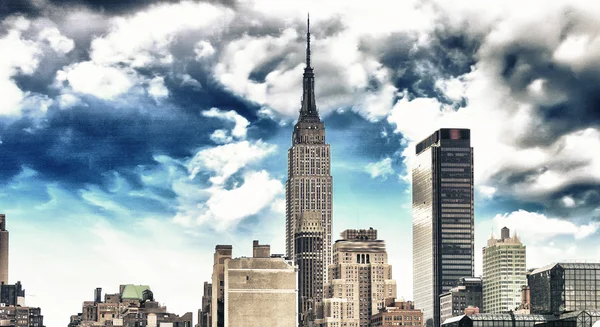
[136,136]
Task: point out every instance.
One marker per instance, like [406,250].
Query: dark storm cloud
[80,144]
[416,68]
[32,8]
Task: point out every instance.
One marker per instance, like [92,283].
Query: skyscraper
[504,273]
[3,250]
[443,240]
[309,184]
[309,260]
[360,280]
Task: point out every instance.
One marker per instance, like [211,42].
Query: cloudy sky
[137,135]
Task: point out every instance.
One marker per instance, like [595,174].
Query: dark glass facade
[10,293]
[565,287]
[571,319]
[443,212]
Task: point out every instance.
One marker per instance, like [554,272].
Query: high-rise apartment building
[443,217]
[360,280]
[309,183]
[256,291]
[309,260]
[504,273]
[3,250]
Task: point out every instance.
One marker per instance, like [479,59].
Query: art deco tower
[309,184]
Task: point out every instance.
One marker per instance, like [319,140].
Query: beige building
[504,272]
[360,280]
[398,313]
[257,291]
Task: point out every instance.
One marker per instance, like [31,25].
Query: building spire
[309,107]
[308,41]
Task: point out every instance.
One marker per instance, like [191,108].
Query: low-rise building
[398,313]
[467,294]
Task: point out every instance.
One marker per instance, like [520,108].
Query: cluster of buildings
[133,306]
[13,311]
[348,283]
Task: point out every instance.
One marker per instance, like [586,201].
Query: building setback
[504,273]
[257,291]
[360,280]
[309,183]
[443,214]
[309,260]
[398,313]
[204,314]
[467,295]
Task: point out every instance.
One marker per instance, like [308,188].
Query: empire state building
[309,197]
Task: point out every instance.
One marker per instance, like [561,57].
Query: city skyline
[131,133]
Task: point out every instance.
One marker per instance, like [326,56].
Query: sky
[137,135]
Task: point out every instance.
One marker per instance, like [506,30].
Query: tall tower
[3,250]
[309,184]
[504,273]
[309,260]
[443,217]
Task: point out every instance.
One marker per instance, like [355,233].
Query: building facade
[398,313]
[3,250]
[309,183]
[217,305]
[21,316]
[360,281]
[259,291]
[309,260]
[443,217]
[504,272]
[564,287]
[467,296]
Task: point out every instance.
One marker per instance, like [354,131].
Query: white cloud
[104,82]
[58,42]
[23,58]
[203,49]
[382,168]
[241,124]
[157,88]
[536,227]
[225,208]
[139,41]
[226,160]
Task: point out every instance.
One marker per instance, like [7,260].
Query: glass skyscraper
[443,215]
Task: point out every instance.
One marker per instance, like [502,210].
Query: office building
[360,281]
[504,272]
[443,214]
[564,287]
[257,291]
[3,250]
[466,296]
[398,313]
[309,183]
[309,260]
